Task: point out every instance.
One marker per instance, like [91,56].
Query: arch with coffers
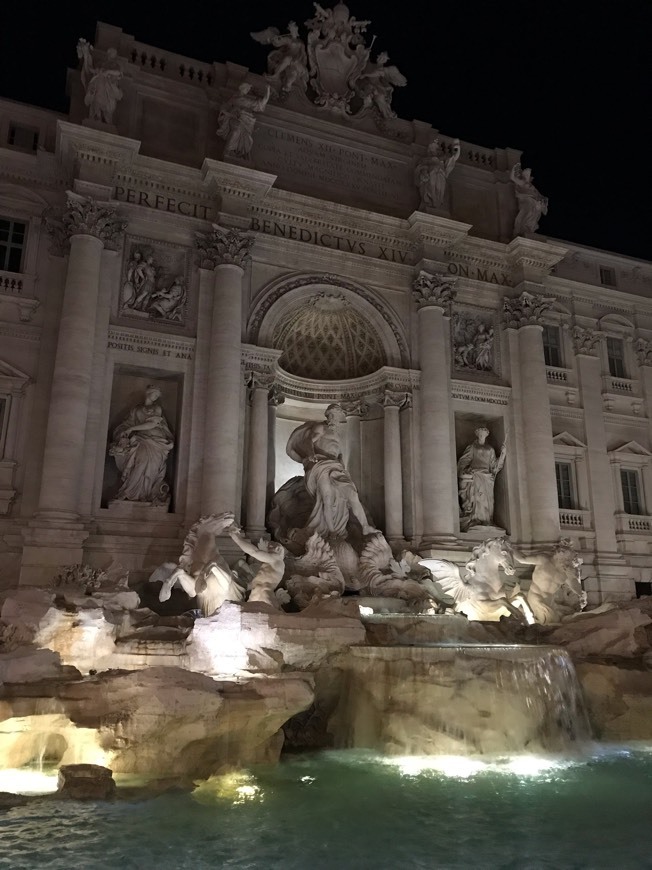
[379,328]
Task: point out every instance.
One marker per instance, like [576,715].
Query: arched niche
[301,301]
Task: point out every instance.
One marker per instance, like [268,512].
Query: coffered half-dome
[327,339]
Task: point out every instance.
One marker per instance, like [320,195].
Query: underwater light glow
[28,781]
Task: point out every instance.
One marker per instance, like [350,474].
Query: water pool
[354,810]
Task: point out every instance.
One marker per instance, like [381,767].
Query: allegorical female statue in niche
[476,471]
[141,444]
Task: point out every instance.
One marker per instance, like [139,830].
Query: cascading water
[460,699]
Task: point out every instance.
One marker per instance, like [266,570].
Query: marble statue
[531,204]
[404,577]
[268,577]
[317,447]
[202,571]
[376,86]
[556,587]
[476,470]
[237,120]
[140,447]
[101,84]
[287,64]
[314,575]
[478,589]
[431,174]
[332,544]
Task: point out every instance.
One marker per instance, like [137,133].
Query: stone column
[86,225]
[354,413]
[259,386]
[226,251]
[434,295]
[276,398]
[524,313]
[393,477]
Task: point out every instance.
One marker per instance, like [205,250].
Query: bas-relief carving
[643,351]
[237,120]
[154,282]
[431,174]
[477,469]
[140,447]
[473,343]
[101,83]
[333,69]
[531,204]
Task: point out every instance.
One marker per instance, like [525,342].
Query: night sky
[567,82]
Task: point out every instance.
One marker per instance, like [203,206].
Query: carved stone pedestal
[481,533]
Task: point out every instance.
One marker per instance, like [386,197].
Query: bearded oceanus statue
[332,543]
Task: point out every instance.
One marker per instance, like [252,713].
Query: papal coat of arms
[333,66]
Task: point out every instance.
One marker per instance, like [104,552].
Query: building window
[607,276]
[616,357]
[12,244]
[4,419]
[643,589]
[24,138]
[552,346]
[564,475]
[631,491]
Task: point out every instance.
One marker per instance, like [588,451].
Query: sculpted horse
[556,586]
[478,589]
[201,572]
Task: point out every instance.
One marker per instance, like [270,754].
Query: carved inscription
[313,162]
[163,203]
[153,346]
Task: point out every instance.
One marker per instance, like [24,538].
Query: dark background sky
[566,82]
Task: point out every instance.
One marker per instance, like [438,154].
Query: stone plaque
[308,164]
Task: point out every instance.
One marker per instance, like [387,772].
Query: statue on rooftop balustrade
[101,83]
[531,204]
[237,120]
[431,173]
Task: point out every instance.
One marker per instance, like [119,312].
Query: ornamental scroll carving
[586,341]
[434,290]
[83,216]
[527,309]
[221,246]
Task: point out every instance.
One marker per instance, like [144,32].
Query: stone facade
[252,290]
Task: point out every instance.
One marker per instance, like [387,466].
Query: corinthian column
[524,313]
[392,466]
[434,295]
[226,251]
[86,226]
[259,386]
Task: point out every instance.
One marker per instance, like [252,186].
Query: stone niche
[465,426]
[128,391]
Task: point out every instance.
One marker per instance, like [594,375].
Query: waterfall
[460,699]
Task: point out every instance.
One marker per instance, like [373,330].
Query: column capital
[276,396]
[355,408]
[258,379]
[83,215]
[586,341]
[223,245]
[432,290]
[526,310]
[393,399]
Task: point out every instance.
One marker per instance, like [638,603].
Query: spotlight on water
[237,787]
[28,782]
[463,767]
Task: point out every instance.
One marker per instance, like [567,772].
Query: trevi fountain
[324,692]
